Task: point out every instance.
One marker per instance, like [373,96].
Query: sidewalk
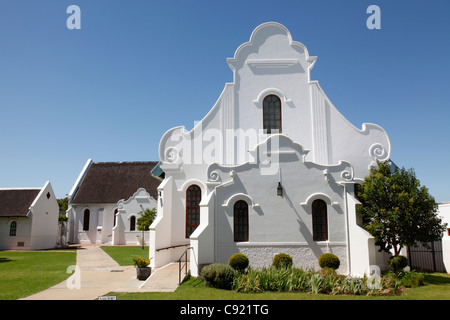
[97,274]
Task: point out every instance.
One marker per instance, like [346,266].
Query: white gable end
[271,63]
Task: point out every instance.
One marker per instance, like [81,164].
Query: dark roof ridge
[126,162]
[109,182]
[19,188]
[16,202]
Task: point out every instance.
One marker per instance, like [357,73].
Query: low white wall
[303,255]
[135,237]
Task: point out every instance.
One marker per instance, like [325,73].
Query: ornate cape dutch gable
[271,63]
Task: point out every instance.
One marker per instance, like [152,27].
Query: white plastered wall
[444,212]
[45,212]
[121,233]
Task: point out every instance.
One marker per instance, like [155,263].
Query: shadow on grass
[194,282]
[436,279]
[3,259]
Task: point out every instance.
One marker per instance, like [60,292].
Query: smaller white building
[106,199]
[444,212]
[125,231]
[28,218]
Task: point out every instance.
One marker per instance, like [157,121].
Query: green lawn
[26,273]
[437,287]
[124,254]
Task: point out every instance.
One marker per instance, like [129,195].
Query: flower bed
[323,281]
[281,277]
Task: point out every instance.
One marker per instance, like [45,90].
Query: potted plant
[143,271]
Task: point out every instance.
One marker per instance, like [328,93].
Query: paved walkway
[97,273]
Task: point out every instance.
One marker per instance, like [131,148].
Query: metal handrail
[166,248]
[184,266]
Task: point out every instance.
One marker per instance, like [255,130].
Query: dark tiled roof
[16,202]
[109,182]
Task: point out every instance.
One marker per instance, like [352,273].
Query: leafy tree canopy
[146,219]
[63,203]
[396,209]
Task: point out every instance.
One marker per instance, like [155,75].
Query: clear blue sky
[103,92]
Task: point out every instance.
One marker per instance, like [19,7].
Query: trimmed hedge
[398,263]
[218,275]
[238,262]
[329,260]
[282,260]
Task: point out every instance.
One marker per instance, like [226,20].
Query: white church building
[106,201]
[270,169]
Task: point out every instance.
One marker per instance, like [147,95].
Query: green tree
[63,203]
[396,209]
[146,219]
[63,206]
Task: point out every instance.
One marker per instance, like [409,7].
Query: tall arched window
[13,228]
[193,198]
[240,217]
[86,217]
[319,220]
[272,113]
[115,216]
[132,223]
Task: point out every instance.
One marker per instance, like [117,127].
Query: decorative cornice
[226,204]
[321,196]
[280,28]
[259,100]
[272,63]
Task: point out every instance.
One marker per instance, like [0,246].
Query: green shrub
[329,260]
[282,260]
[413,279]
[238,262]
[218,275]
[325,281]
[398,263]
[316,283]
[273,279]
[353,285]
[327,272]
